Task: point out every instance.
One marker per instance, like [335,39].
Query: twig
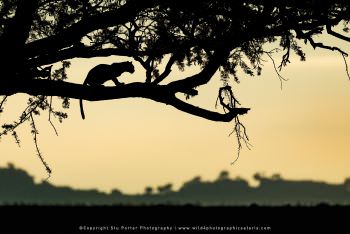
[307,36]
[35,132]
[346,65]
[241,135]
[280,77]
[239,129]
[2,103]
[23,118]
[50,110]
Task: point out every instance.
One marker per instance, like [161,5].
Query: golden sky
[301,131]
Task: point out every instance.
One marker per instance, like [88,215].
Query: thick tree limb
[78,52]
[210,115]
[81,51]
[158,93]
[17,31]
[15,35]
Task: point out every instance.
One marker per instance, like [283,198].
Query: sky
[301,131]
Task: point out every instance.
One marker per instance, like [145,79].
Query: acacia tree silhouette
[216,35]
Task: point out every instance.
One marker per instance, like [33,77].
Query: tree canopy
[216,35]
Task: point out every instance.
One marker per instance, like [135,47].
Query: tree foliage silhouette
[218,36]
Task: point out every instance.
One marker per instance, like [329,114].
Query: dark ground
[116,219]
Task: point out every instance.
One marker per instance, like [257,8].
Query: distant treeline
[18,187]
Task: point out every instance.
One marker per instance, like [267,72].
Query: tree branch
[77,52]
[315,45]
[205,75]
[167,69]
[335,34]
[207,114]
[81,51]
[158,93]
[74,33]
